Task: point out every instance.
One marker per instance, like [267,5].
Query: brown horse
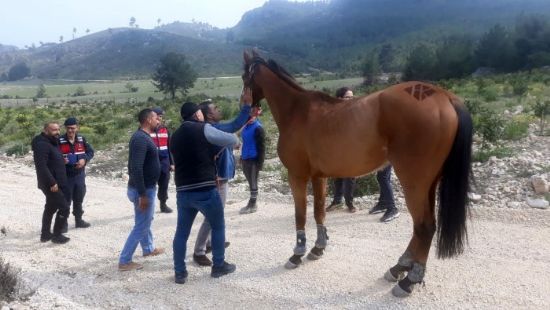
[423,131]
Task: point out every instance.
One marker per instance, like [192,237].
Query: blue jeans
[207,202]
[203,236]
[141,233]
[386,193]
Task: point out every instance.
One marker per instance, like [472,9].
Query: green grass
[115,90]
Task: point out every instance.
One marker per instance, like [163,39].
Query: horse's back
[420,123]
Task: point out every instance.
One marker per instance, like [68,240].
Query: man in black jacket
[194,146]
[52,180]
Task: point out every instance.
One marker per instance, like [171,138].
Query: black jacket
[194,158]
[49,163]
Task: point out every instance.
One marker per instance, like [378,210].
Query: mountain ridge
[304,36]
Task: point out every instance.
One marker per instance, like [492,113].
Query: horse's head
[251,62]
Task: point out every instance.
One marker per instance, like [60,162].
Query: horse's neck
[285,101]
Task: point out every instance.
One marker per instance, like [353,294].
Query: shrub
[284,175]
[366,185]
[489,94]
[79,92]
[9,279]
[18,148]
[487,124]
[516,129]
[100,129]
[541,110]
[484,154]
[519,87]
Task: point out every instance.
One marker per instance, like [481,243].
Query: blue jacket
[225,161]
[252,141]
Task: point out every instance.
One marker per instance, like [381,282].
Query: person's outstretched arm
[218,137]
[242,118]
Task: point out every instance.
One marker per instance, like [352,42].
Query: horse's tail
[453,189]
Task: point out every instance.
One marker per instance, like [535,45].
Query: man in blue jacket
[225,167]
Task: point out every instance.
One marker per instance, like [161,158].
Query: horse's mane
[284,75]
[281,72]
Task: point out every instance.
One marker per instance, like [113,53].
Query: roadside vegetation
[503,106]
[9,281]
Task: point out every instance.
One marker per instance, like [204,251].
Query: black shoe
[80,223]
[202,260]
[60,239]
[351,208]
[164,208]
[378,208]
[65,228]
[248,209]
[46,237]
[333,206]
[209,247]
[181,278]
[390,215]
[222,270]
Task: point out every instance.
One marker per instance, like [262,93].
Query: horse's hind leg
[319,194]
[420,202]
[298,186]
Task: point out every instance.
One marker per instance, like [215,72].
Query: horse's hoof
[315,253]
[293,262]
[389,277]
[397,291]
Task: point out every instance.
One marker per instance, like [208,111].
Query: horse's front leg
[319,194]
[298,186]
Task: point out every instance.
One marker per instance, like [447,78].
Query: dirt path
[505,267]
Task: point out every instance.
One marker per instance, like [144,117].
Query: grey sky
[23,22]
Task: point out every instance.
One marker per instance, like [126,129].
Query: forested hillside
[305,36]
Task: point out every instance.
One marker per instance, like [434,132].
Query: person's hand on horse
[246,96]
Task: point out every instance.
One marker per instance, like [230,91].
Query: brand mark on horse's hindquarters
[420,92]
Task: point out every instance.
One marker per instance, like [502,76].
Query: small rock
[539,184]
[474,197]
[537,203]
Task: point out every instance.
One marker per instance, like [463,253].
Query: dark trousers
[55,202]
[251,170]
[344,187]
[164,179]
[76,190]
[386,193]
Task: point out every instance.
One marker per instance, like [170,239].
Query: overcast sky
[23,22]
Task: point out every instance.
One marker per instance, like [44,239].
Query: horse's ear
[246,56]
[255,53]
